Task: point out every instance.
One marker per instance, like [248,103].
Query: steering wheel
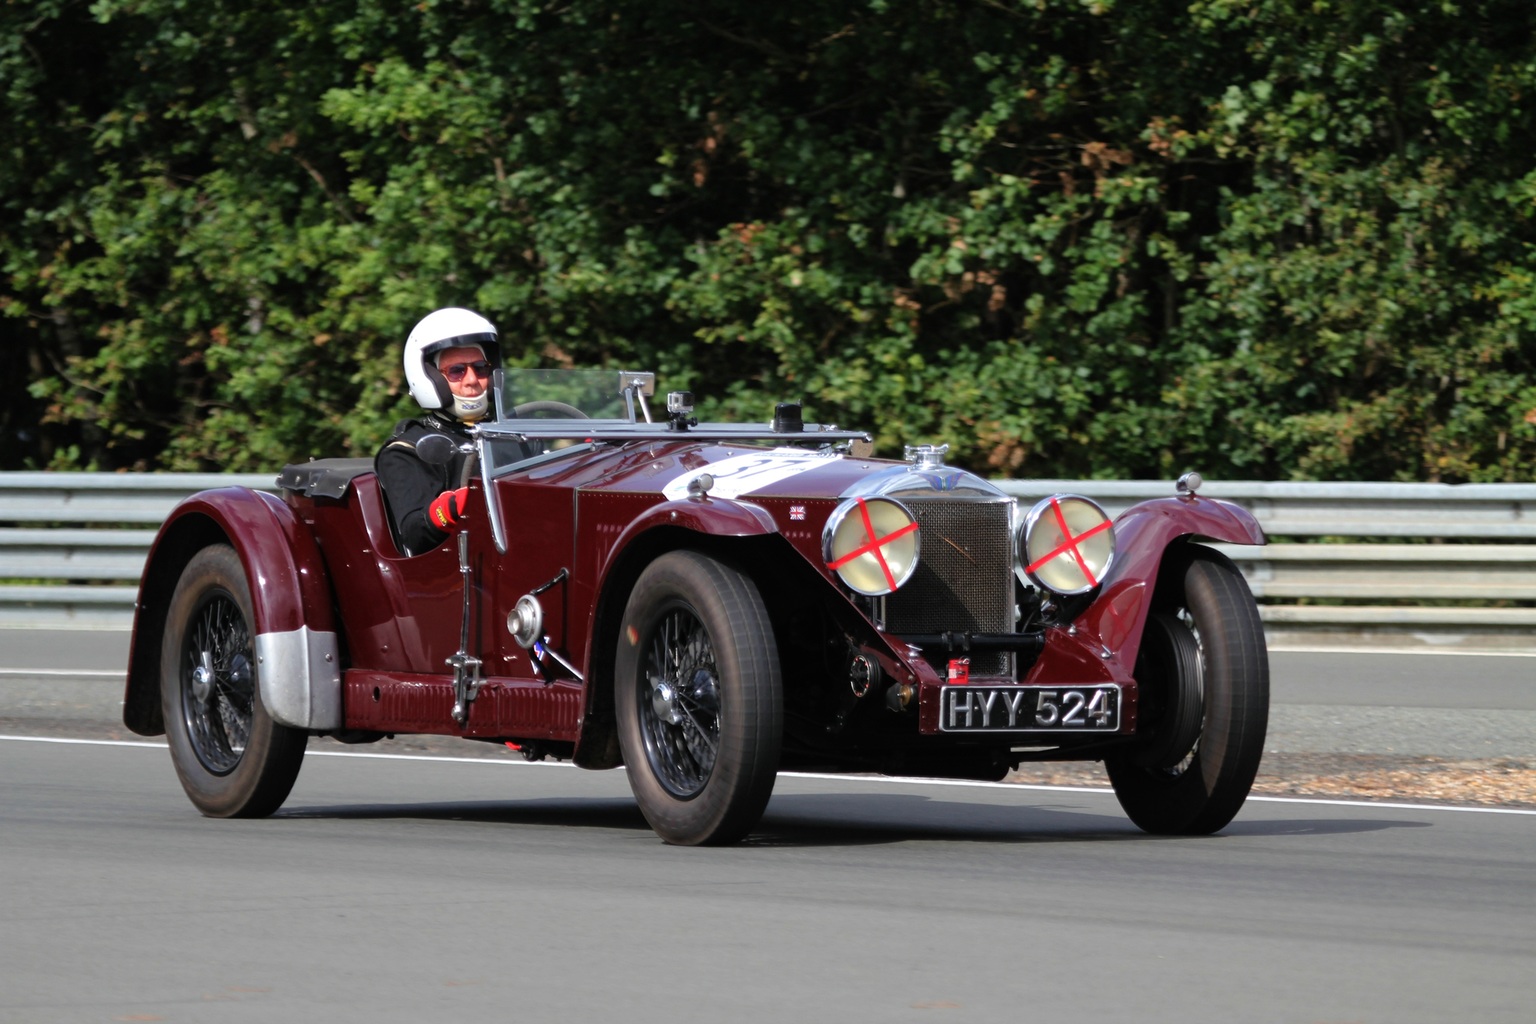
[569,411]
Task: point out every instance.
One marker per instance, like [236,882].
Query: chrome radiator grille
[964,578]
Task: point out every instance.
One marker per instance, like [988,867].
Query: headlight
[1067,545]
[872,544]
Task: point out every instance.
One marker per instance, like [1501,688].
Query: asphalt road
[446,889]
[414,890]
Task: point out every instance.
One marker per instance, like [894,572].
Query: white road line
[874,779]
[88,743]
[1107,790]
[1397,652]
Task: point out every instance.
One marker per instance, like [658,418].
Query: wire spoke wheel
[217,686]
[698,698]
[680,705]
[232,758]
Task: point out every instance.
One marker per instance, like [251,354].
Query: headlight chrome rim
[872,544]
[1066,544]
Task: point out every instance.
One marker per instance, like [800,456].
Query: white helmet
[437,332]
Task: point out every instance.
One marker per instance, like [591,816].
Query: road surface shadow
[839,820]
[585,812]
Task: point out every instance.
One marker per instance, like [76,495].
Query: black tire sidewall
[728,605]
[1209,792]
[266,771]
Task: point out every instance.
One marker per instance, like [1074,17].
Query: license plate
[1029,708]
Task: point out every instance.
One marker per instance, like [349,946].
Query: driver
[449,357]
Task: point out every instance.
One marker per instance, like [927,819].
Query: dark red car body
[352,638]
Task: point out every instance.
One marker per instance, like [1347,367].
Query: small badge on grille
[959,671]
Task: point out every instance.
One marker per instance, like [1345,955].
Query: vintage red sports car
[706,605]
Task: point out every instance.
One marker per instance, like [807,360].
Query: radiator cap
[927,456]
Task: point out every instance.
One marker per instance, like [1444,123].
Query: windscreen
[557,394]
[580,400]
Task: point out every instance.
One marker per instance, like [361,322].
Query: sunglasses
[455,372]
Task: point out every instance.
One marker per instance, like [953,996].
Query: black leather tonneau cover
[323,478]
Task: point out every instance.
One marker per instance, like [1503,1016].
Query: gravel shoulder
[1385,726]
[1498,780]
[1393,778]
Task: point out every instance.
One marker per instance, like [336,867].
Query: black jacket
[409,484]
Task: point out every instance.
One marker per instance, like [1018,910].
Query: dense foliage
[1264,238]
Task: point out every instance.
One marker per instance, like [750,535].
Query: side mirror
[436,449]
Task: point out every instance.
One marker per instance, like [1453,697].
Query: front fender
[294,632]
[660,528]
[709,516]
[1144,535]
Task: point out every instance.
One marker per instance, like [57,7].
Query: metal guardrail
[92,530]
[1441,563]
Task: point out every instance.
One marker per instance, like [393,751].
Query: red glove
[448,508]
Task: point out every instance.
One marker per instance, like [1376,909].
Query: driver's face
[471,385]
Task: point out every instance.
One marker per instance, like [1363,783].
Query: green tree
[1069,237]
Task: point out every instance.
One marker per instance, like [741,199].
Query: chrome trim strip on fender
[300,677]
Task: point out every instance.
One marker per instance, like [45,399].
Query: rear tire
[1203,790]
[699,700]
[233,760]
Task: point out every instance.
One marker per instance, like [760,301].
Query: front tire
[1201,791]
[233,760]
[699,700]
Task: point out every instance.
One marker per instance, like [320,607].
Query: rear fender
[294,630]
[1150,538]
